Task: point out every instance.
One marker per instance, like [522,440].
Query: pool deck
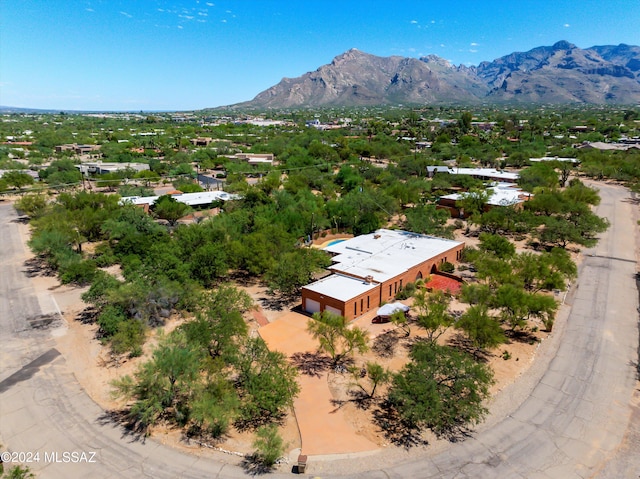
[324,241]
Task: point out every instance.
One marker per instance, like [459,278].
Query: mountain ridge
[561,73]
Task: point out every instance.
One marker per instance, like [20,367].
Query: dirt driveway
[323,426]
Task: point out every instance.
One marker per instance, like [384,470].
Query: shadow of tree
[361,399]
[395,429]
[253,423]
[385,344]
[131,429]
[276,302]
[88,315]
[311,364]
[521,336]
[22,220]
[464,344]
[253,465]
[38,266]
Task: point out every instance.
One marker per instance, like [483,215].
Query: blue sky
[147,55]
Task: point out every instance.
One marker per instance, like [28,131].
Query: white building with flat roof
[370,269]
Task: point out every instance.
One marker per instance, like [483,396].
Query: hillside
[557,74]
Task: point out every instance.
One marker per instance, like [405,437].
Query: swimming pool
[335,242]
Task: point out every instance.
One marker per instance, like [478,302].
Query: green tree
[162,386]
[214,406]
[33,206]
[168,208]
[296,269]
[269,445]
[427,219]
[218,327]
[441,389]
[17,179]
[432,313]
[335,337]
[374,375]
[483,331]
[497,245]
[266,382]
[473,202]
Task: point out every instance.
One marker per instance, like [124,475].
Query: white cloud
[442,45]
[160,9]
[203,14]
[566,25]
[224,21]
[471,50]
[186,17]
[228,11]
[209,4]
[473,44]
[180,27]
[433,21]
[414,21]
[89,9]
[128,15]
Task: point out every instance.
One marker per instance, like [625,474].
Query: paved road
[570,416]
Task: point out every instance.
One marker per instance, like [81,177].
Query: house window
[368,302]
[361,304]
[355,308]
[400,284]
[389,290]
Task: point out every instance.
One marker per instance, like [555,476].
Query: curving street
[572,415]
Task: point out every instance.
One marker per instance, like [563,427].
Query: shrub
[109,320]
[406,292]
[269,445]
[81,272]
[447,267]
[129,338]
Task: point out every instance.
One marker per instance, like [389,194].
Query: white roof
[192,199]
[390,308]
[341,287]
[486,172]
[482,172]
[554,158]
[502,194]
[385,254]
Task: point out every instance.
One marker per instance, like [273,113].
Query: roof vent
[376,236]
[369,279]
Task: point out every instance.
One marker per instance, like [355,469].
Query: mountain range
[557,74]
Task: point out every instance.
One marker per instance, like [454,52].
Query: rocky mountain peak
[561,73]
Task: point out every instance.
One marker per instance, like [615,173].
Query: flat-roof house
[371,269]
[192,199]
[487,174]
[501,194]
[101,168]
[77,149]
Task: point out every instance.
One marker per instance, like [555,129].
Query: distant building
[487,174]
[191,199]
[77,149]
[502,194]
[254,158]
[599,145]
[371,269]
[554,158]
[101,168]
